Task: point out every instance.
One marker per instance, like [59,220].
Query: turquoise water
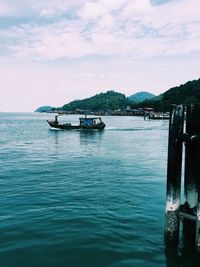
[83,198]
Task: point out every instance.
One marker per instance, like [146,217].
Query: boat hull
[68,126]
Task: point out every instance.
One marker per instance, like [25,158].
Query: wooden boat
[84,123]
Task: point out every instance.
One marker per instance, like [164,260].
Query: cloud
[137,7]
[51,8]
[132,28]
[50,42]
[94,10]
[43,8]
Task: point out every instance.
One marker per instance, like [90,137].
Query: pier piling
[174,172]
[189,212]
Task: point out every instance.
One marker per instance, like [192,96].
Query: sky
[53,52]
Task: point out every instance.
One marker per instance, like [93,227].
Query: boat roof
[90,118]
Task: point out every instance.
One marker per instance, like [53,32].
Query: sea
[84,198]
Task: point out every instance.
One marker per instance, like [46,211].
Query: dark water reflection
[181,255]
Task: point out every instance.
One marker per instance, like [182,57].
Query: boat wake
[55,129]
[125,129]
[111,128]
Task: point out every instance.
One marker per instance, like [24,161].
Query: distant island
[116,103]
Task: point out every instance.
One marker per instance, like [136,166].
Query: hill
[141,96]
[184,94]
[44,109]
[101,102]
[188,93]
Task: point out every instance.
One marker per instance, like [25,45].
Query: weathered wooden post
[174,172]
[192,171]
[197,237]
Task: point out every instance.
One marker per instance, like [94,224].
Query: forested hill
[141,96]
[101,102]
[188,93]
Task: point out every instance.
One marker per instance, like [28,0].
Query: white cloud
[59,40]
[107,21]
[52,8]
[137,7]
[94,10]
[115,27]
[46,8]
[133,28]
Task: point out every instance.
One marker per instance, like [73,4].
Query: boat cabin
[90,121]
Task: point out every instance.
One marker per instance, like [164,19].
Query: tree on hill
[101,102]
[188,93]
[141,96]
[44,109]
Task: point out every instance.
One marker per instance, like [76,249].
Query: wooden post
[192,167]
[197,236]
[174,172]
[190,184]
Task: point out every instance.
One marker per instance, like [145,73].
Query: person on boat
[56,119]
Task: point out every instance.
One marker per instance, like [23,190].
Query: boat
[84,123]
[156,116]
[160,116]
